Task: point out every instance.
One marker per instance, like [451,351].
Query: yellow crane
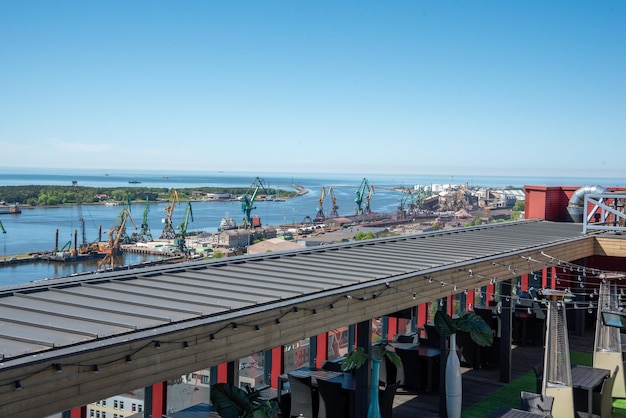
[333,200]
[168,229]
[319,217]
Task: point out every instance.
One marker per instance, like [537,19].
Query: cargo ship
[4,208]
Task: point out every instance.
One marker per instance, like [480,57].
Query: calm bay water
[34,229]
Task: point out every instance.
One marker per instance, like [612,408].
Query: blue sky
[452,87]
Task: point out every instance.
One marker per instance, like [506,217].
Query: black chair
[537,403]
[331,366]
[304,399]
[412,368]
[602,401]
[385,399]
[332,403]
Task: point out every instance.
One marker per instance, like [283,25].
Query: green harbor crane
[181,239]
[144,233]
[360,196]
[247,201]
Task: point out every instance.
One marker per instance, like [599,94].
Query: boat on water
[14,209]
[227,223]
[134,182]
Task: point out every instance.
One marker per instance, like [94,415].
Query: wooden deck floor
[480,383]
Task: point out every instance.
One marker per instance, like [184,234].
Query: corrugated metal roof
[58,313]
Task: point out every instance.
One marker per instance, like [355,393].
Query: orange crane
[112,247]
[319,217]
[168,229]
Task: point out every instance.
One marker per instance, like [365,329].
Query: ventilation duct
[575,207]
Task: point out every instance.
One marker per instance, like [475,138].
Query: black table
[586,379]
[347,380]
[430,354]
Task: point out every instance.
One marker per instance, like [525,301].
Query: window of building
[115,405]
[121,404]
[133,407]
[296,355]
[337,343]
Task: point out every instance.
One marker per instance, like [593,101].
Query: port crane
[181,239]
[116,235]
[168,229]
[247,201]
[333,200]
[360,196]
[144,233]
[319,217]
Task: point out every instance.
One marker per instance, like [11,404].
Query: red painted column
[544,277]
[222,373]
[277,365]
[469,300]
[80,412]
[422,314]
[524,283]
[322,349]
[392,328]
[159,399]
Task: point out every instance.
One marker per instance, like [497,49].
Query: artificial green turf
[509,395]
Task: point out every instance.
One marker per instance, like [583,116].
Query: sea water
[35,229]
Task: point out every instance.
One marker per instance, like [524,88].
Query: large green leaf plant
[478,329]
[358,357]
[232,402]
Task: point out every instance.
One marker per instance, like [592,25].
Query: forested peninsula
[66,195]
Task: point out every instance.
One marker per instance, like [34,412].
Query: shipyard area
[419,209]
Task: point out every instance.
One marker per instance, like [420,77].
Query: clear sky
[467,87]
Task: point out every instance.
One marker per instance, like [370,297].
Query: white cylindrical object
[454,383]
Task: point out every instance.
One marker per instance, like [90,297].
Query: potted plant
[479,331]
[232,402]
[358,357]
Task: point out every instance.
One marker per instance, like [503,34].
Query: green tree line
[64,195]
